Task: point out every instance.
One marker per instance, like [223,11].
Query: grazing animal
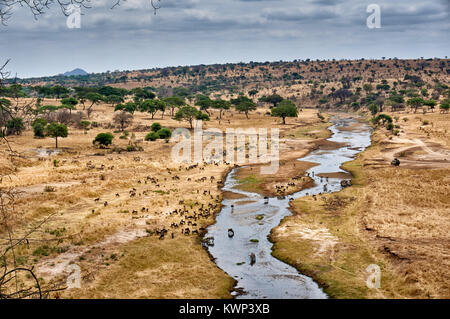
[346,183]
[105,204]
[252,259]
[395,162]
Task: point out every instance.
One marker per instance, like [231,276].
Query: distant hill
[302,79]
[76,72]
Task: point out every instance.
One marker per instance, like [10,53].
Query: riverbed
[252,217]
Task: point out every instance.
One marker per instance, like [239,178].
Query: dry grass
[394,217]
[112,246]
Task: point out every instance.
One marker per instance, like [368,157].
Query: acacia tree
[129,107]
[285,108]
[221,105]
[415,103]
[152,106]
[189,114]
[204,102]
[69,103]
[274,99]
[94,98]
[56,130]
[174,102]
[113,100]
[244,104]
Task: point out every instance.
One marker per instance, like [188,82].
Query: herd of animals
[189,217]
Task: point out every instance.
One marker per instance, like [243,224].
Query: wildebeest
[252,259]
[346,183]
[395,162]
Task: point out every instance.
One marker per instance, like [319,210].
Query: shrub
[85,125]
[383,118]
[133,148]
[103,139]
[152,136]
[38,126]
[373,108]
[49,189]
[164,133]
[390,126]
[156,127]
[15,126]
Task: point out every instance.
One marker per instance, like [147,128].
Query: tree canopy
[56,130]
[285,108]
[189,114]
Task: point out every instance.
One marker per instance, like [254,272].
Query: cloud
[187,32]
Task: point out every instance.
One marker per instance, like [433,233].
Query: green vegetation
[103,139]
[285,109]
[56,130]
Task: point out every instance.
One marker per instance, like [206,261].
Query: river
[269,277]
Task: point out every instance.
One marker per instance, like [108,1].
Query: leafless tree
[39,7]
[16,280]
[123,119]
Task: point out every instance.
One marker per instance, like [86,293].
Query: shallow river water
[270,277]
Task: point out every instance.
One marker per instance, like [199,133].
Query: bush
[156,127]
[103,139]
[152,136]
[384,118]
[85,125]
[133,148]
[38,126]
[390,126]
[15,126]
[164,133]
[373,108]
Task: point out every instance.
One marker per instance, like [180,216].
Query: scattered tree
[245,105]
[415,103]
[56,130]
[285,108]
[173,103]
[221,105]
[189,114]
[123,119]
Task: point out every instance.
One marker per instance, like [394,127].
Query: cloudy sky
[187,32]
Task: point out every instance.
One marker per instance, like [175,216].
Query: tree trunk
[284,120]
[56,138]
